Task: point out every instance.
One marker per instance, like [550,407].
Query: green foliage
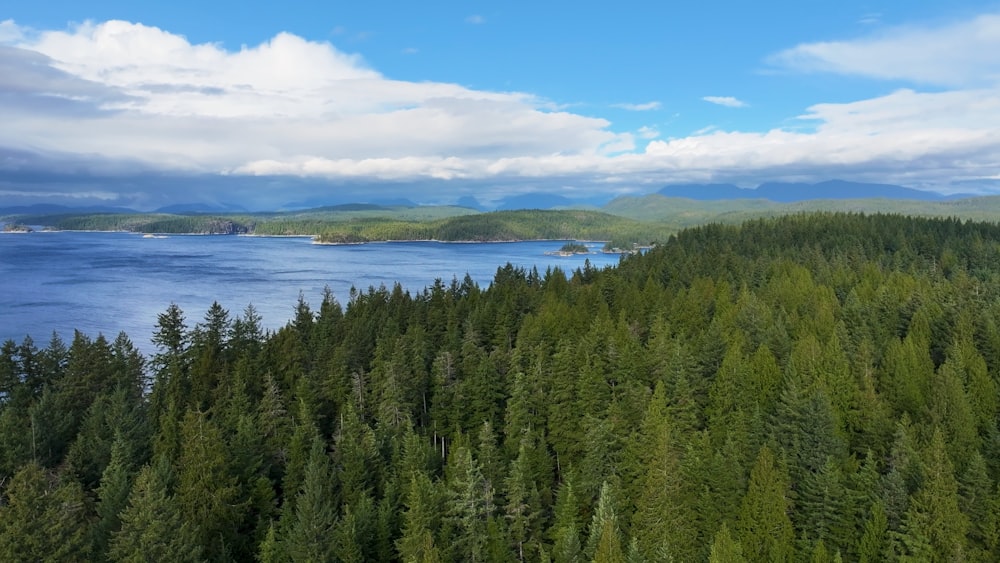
[725,548]
[43,519]
[152,525]
[351,226]
[310,530]
[763,526]
[812,387]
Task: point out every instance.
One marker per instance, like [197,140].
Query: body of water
[112,282]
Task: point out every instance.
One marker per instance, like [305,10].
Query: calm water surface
[112,282]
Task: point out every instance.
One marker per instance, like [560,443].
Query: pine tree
[725,548]
[874,546]
[354,532]
[821,509]
[978,502]
[207,494]
[153,528]
[44,519]
[565,531]
[523,507]
[310,524]
[763,527]
[950,410]
[356,457]
[934,526]
[469,505]
[112,495]
[421,519]
[604,542]
[663,524]
[271,549]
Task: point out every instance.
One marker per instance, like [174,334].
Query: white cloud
[727,101]
[410,51]
[10,32]
[205,108]
[291,107]
[475,19]
[962,53]
[648,106]
[646,132]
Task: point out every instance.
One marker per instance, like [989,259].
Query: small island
[334,239]
[570,249]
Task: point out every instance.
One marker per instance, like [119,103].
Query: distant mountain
[534,201]
[788,192]
[326,203]
[708,192]
[52,209]
[470,202]
[349,207]
[185,208]
[394,202]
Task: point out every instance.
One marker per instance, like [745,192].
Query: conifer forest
[813,387]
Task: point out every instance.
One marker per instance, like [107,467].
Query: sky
[276,105]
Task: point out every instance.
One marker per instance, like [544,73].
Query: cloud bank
[959,54]
[123,104]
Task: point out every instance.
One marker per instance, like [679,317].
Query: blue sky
[145,104]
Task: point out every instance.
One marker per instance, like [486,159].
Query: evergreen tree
[934,527]
[271,550]
[354,532]
[153,528]
[725,548]
[44,519]
[605,543]
[977,500]
[420,521]
[310,529]
[763,527]
[565,531]
[356,457]
[874,545]
[663,524]
[470,505]
[113,494]
[523,509]
[207,494]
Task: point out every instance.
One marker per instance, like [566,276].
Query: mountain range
[788,192]
[779,192]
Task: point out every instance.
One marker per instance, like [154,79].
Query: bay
[105,283]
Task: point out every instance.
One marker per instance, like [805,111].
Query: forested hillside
[380,224]
[819,387]
[684,212]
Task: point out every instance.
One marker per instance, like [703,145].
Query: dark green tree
[152,526]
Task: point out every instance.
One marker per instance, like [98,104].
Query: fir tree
[725,548]
[153,528]
[763,527]
[309,530]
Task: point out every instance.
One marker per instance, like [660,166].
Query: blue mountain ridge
[788,192]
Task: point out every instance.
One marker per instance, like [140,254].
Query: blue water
[111,282]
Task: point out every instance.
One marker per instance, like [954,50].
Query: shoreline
[321,243]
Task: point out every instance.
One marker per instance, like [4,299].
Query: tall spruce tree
[763,527]
[152,525]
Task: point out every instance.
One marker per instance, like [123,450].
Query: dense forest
[622,222]
[816,387]
[382,224]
